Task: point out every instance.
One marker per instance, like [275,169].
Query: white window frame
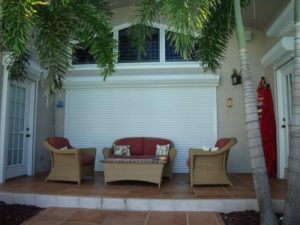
[144,65]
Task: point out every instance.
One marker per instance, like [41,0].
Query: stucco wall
[1,79]
[231,122]
[44,128]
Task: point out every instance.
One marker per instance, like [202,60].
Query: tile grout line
[225,189]
[146,219]
[187,218]
[106,218]
[68,216]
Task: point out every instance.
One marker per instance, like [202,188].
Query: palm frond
[147,12]
[216,34]
[186,18]
[95,32]
[53,33]
[16,21]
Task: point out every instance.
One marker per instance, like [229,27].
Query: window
[127,53]
[82,56]
[172,55]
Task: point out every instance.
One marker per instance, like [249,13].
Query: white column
[3,113]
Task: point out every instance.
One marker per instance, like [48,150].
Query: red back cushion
[87,160]
[150,145]
[222,142]
[59,142]
[188,162]
[136,145]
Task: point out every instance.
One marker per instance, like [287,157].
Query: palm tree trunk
[292,206]
[267,215]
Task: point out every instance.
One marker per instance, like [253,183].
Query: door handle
[283,126]
[27,135]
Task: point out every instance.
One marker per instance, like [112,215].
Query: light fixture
[236,78]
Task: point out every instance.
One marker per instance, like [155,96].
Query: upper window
[82,56]
[129,54]
[172,55]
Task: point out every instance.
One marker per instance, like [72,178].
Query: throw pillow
[121,150]
[210,149]
[162,150]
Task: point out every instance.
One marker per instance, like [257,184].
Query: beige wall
[1,80]
[44,128]
[231,122]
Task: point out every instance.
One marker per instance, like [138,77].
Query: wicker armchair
[208,167]
[69,163]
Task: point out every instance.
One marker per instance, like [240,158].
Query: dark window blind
[172,55]
[82,56]
[128,53]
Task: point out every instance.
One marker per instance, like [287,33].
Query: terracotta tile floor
[177,188]
[67,216]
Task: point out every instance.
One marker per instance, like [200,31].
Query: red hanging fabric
[267,126]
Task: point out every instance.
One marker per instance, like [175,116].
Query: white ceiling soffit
[281,50]
[284,24]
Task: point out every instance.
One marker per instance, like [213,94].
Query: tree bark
[292,206]
[261,184]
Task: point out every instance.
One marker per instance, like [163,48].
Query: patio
[174,195]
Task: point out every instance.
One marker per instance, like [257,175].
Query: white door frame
[34,72]
[282,138]
[3,113]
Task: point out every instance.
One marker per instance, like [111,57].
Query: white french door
[19,143]
[284,78]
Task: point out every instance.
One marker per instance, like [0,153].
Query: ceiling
[258,15]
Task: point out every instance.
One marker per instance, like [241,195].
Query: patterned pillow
[121,150]
[162,150]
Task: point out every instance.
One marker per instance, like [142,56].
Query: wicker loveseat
[144,148]
[69,163]
[210,167]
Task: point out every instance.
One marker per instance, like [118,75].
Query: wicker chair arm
[172,154]
[106,152]
[195,151]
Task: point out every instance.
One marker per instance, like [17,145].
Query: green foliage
[52,26]
[16,21]
[205,22]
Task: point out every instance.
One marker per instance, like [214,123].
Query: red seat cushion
[59,142]
[136,145]
[222,142]
[150,145]
[87,160]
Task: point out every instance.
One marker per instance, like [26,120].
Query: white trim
[126,25]
[144,81]
[139,66]
[282,135]
[284,24]
[3,121]
[34,70]
[32,119]
[284,48]
[162,45]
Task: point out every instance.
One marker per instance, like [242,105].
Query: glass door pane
[16,126]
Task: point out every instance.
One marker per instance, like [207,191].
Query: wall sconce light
[60,104]
[236,78]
